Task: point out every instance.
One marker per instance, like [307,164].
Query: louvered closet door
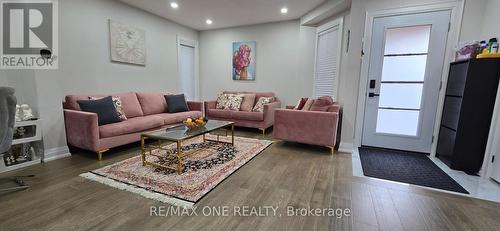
[327,55]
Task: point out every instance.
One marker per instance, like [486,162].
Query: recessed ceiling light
[174,5]
[209,22]
[284,10]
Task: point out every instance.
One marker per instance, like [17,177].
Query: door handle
[371,94]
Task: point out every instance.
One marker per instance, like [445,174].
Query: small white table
[35,136]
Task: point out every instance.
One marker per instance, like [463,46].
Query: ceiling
[225,13]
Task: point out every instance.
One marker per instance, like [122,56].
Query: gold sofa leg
[99,154]
[263,131]
[332,150]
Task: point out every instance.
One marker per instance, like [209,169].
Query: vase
[244,74]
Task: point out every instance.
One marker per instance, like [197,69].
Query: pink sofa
[308,127]
[260,120]
[144,112]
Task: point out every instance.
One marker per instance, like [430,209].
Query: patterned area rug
[406,167]
[202,171]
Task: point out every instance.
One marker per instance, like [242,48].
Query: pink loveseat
[308,127]
[144,112]
[260,120]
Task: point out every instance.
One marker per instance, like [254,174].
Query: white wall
[284,56]
[472,20]
[24,83]
[85,65]
[4,81]
[84,61]
[491,18]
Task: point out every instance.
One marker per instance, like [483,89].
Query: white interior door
[406,63]
[187,71]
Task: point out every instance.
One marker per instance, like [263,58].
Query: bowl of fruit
[194,123]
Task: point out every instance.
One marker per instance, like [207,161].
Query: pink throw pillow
[307,105]
[322,103]
[300,104]
[248,102]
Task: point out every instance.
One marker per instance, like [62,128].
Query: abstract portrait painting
[244,60]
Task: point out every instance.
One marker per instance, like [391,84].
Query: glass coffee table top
[181,132]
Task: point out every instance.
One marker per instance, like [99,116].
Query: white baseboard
[56,153]
[345,147]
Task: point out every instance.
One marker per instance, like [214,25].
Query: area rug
[202,171]
[406,167]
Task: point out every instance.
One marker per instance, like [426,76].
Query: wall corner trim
[56,153]
[345,147]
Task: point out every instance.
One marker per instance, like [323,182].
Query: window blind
[325,82]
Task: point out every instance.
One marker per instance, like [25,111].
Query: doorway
[404,76]
[188,68]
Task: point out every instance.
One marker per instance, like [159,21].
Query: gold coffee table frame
[178,134]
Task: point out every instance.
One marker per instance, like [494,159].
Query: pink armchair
[309,127]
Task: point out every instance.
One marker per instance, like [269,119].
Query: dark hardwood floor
[285,174]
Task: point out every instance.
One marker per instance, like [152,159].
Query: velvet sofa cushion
[307,105]
[234,102]
[104,108]
[221,101]
[248,102]
[71,101]
[220,113]
[176,103]
[132,125]
[244,115]
[174,118]
[259,106]
[118,105]
[322,103]
[300,104]
[257,94]
[152,103]
[130,103]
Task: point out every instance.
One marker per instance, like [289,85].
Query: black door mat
[406,167]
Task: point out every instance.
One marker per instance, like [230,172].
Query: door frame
[192,43]
[493,144]
[456,9]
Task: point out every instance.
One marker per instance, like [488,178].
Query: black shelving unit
[470,99]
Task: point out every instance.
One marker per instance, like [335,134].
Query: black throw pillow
[104,108]
[176,103]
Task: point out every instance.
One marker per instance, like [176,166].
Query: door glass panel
[402,81]
[400,122]
[404,68]
[403,95]
[407,40]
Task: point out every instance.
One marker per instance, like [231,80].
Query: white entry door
[187,71]
[404,76]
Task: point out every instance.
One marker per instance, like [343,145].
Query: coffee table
[179,134]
